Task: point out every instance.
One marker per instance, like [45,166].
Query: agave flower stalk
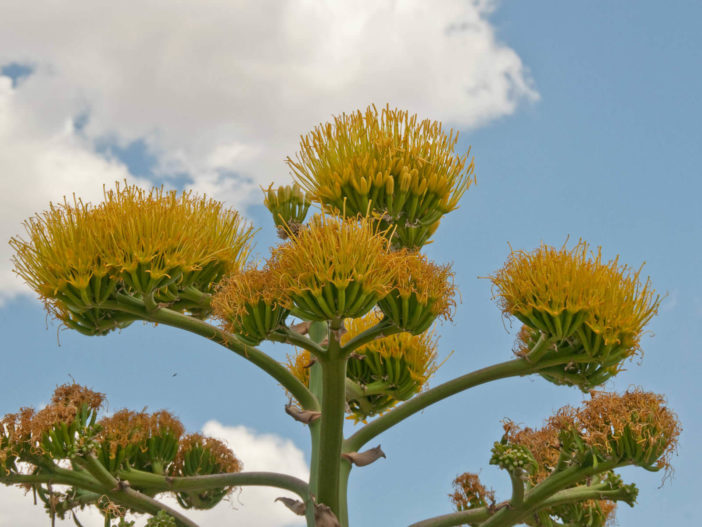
[365,299]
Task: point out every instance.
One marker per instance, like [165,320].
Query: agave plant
[354,295]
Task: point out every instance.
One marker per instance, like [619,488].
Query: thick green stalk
[343,515]
[168,317]
[317,332]
[315,426]
[332,421]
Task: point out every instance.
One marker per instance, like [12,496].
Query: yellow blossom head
[381,373]
[77,256]
[402,169]
[251,304]
[421,292]
[387,370]
[201,456]
[590,307]
[334,268]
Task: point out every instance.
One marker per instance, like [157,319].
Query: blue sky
[607,152]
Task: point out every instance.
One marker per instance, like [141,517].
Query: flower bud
[289,206]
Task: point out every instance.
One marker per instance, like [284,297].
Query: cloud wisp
[219,91]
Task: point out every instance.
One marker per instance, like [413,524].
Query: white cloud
[250,506]
[219,87]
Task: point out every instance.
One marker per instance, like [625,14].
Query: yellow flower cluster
[399,168]
[421,292]
[594,309]
[334,269]
[387,370]
[78,257]
[251,304]
[381,373]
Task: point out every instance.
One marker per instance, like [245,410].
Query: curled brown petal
[303,416]
[364,458]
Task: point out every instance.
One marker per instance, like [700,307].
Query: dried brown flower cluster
[469,493]
[633,428]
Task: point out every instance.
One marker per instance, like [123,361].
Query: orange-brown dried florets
[469,493]
[139,440]
[251,303]
[199,455]
[421,291]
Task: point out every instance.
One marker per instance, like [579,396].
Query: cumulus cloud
[248,506]
[219,90]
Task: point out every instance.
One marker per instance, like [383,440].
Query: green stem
[316,388]
[509,514]
[516,367]
[517,487]
[384,328]
[158,483]
[332,421]
[288,336]
[343,515]
[455,518]
[317,332]
[172,318]
[537,497]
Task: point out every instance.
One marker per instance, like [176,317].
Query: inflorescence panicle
[251,303]
[401,169]
[334,269]
[174,247]
[591,310]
